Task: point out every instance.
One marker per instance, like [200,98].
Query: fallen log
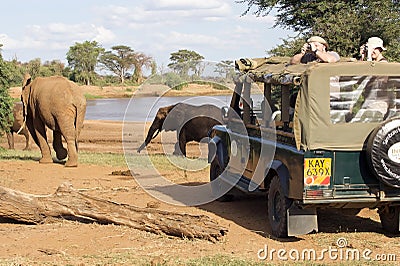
[70,203]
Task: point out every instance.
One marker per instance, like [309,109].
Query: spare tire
[383,152]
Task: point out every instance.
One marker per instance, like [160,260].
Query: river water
[142,109]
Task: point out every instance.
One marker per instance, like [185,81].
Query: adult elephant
[191,122]
[59,104]
[18,127]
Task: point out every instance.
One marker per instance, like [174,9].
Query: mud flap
[301,221]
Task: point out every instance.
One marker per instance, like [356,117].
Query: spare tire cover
[383,152]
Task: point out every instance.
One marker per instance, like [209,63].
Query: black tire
[278,204]
[390,219]
[385,166]
[218,185]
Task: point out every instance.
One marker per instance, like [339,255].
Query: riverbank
[92,92]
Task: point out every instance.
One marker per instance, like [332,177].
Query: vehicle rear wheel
[218,187]
[390,218]
[278,204]
[382,152]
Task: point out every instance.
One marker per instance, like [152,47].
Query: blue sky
[213,28]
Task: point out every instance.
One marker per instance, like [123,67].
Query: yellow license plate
[317,171]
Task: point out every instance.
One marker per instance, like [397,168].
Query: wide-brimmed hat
[375,42]
[318,39]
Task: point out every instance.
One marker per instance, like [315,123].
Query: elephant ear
[25,94]
[179,116]
[174,118]
[27,80]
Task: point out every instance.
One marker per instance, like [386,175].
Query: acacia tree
[185,60]
[83,59]
[119,60]
[141,60]
[345,24]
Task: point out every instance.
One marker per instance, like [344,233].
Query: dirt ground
[63,242]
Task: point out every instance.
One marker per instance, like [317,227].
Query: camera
[364,50]
[307,48]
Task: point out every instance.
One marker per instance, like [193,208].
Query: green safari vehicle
[316,135]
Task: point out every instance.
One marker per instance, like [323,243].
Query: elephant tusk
[22,127]
[154,136]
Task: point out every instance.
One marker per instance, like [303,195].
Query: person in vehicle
[315,49]
[372,50]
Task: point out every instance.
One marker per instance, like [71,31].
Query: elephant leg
[177,150]
[182,142]
[10,138]
[61,152]
[41,141]
[27,141]
[68,130]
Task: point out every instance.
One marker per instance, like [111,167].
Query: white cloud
[70,32]
[185,4]
[164,12]
[56,37]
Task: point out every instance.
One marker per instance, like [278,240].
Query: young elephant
[59,104]
[191,122]
[18,127]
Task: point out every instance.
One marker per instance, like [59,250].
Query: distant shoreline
[93,92]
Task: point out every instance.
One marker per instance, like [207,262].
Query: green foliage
[6,102]
[16,73]
[36,69]
[173,80]
[184,60]
[119,60]
[346,25]
[83,59]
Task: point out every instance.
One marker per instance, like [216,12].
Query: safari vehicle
[337,145]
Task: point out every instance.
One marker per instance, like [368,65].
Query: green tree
[83,59]
[52,68]
[141,60]
[33,67]
[17,71]
[6,102]
[345,24]
[184,60]
[119,60]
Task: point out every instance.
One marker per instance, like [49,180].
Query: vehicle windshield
[362,99]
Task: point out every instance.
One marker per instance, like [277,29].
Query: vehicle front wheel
[390,218]
[218,187]
[278,204]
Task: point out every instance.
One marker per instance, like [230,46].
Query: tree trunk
[69,203]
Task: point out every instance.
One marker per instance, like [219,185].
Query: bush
[6,102]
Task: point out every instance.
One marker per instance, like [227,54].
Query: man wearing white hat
[315,49]
[373,50]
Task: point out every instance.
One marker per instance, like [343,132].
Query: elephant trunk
[153,132]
